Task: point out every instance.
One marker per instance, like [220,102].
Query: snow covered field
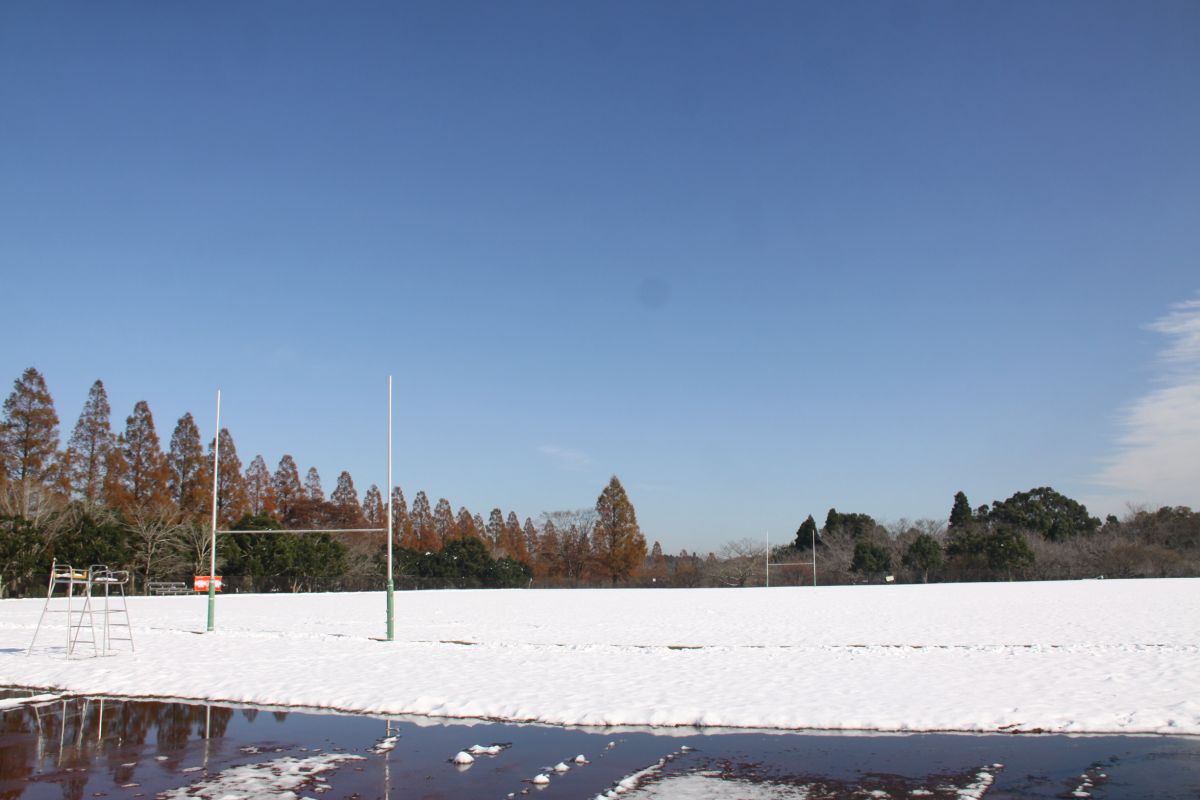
[1085,656]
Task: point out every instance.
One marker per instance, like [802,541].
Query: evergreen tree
[1008,549]
[89,445]
[146,478]
[961,514]
[617,540]
[871,559]
[189,473]
[285,483]
[443,521]
[422,522]
[312,485]
[856,526]
[372,508]
[1045,511]
[231,486]
[259,494]
[806,534]
[924,555]
[29,441]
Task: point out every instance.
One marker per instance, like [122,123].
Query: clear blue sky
[757,259]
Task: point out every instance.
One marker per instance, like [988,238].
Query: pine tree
[89,445]
[617,540]
[312,485]
[285,483]
[146,478]
[443,521]
[465,525]
[29,441]
[422,522]
[494,528]
[372,508]
[961,515]
[189,478]
[231,486]
[259,493]
[805,534]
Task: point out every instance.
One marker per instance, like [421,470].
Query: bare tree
[741,563]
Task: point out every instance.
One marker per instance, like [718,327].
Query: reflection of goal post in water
[212,564]
[812,563]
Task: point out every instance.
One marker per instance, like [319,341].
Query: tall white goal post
[212,580]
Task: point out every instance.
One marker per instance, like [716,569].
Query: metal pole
[391,588]
[814,554]
[212,556]
[768,562]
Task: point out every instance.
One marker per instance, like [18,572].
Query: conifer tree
[422,522]
[658,564]
[259,494]
[494,528]
[189,478]
[285,483]
[531,539]
[961,515]
[465,525]
[312,485]
[116,473]
[617,540]
[231,486]
[146,478]
[512,540]
[548,562]
[402,528]
[29,441]
[372,508]
[806,534]
[89,445]
[443,521]
[345,497]
[480,529]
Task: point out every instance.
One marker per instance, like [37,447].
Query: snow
[277,779]
[1076,657]
[704,786]
[37,699]
[540,779]
[462,757]
[486,750]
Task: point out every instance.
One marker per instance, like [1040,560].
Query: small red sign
[201,583]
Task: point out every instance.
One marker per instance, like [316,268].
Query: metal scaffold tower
[70,592]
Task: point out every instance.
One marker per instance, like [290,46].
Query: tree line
[116,497]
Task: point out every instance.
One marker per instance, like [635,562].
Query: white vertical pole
[212,556]
[391,602]
[768,561]
[814,554]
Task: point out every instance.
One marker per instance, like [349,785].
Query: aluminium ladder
[76,588]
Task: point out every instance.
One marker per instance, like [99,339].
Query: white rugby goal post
[212,564]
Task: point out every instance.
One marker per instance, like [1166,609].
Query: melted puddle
[77,747]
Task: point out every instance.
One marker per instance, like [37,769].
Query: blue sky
[758,259]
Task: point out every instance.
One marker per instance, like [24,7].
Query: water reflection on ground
[78,747]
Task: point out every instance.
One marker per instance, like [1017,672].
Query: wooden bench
[167,587]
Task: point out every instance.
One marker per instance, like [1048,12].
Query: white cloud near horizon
[572,459]
[1158,460]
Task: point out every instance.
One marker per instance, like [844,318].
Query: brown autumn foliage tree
[285,484]
[422,522]
[189,479]
[465,525]
[372,508]
[512,540]
[493,532]
[617,542]
[259,493]
[146,475]
[312,485]
[29,443]
[402,527]
[345,500]
[231,486]
[443,521]
[546,561]
[89,445]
